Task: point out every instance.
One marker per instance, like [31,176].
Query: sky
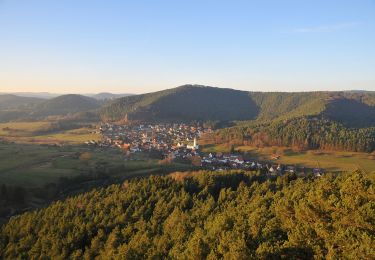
[138,46]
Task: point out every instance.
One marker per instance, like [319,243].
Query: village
[179,142]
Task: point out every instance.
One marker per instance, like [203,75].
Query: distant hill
[187,103]
[48,95]
[44,95]
[351,112]
[66,104]
[108,96]
[9,101]
[13,107]
[16,108]
[354,109]
[193,102]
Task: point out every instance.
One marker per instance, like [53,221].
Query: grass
[39,170]
[329,160]
[29,132]
[216,148]
[75,136]
[32,166]
[23,128]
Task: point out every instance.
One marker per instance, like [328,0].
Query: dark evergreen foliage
[231,215]
[303,132]
[185,103]
[66,104]
[201,103]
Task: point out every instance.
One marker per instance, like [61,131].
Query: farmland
[329,160]
[42,173]
[36,165]
[46,132]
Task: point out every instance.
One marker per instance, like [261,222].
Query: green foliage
[193,102]
[231,215]
[289,105]
[185,103]
[15,108]
[199,103]
[66,104]
[9,102]
[303,132]
[351,112]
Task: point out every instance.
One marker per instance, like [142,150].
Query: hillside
[65,104]
[192,102]
[300,132]
[185,103]
[351,112]
[201,103]
[108,96]
[14,107]
[13,102]
[204,215]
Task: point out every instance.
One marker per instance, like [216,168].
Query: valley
[192,130]
[54,151]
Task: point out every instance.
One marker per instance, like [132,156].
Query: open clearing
[36,165]
[329,160]
[40,133]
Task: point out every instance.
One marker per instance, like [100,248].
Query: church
[195,146]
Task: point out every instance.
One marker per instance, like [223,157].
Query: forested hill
[9,102]
[185,103]
[16,108]
[300,132]
[201,103]
[66,104]
[204,215]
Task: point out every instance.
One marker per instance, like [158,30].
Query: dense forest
[202,103]
[198,103]
[302,133]
[199,215]
[17,108]
[185,103]
[66,104]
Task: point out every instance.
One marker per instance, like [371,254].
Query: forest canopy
[233,215]
[301,132]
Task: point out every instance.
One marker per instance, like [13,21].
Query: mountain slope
[201,103]
[192,102]
[300,132]
[184,103]
[350,112]
[281,104]
[66,104]
[108,96]
[9,102]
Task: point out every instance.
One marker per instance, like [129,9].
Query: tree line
[303,133]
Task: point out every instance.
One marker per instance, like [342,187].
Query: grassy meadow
[42,132]
[32,166]
[329,160]
[49,172]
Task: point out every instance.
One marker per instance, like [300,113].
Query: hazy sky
[139,46]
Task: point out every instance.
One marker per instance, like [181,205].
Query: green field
[38,132]
[23,128]
[49,172]
[36,165]
[329,160]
